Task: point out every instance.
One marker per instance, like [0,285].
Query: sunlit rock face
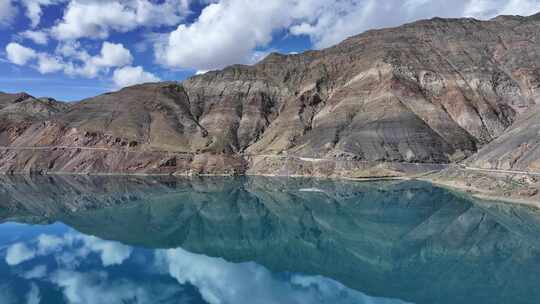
[373,238]
[433,91]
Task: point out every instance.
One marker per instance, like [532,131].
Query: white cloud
[111,253]
[34,10]
[170,12]
[97,18]
[337,21]
[33,295]
[220,281]
[421,9]
[38,37]
[93,20]
[521,7]
[341,19]
[127,76]
[72,59]
[49,64]
[217,280]
[19,54]
[19,253]
[112,55]
[228,31]
[485,9]
[37,272]
[98,288]
[7,12]
[84,287]
[48,243]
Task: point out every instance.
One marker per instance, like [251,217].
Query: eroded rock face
[145,129]
[433,91]
[517,149]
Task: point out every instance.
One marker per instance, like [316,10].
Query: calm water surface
[260,240]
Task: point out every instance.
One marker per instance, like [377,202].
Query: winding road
[502,171]
[306,159]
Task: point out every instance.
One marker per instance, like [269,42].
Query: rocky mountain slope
[429,92]
[517,149]
[19,111]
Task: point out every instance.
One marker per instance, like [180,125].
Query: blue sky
[73,49]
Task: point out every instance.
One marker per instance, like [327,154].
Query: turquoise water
[260,240]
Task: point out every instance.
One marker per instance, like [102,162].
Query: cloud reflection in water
[86,269]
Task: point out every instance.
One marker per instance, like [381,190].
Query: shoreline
[482,195]
[448,183]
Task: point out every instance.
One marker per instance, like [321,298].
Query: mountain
[431,92]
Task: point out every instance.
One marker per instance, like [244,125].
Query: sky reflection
[69,267]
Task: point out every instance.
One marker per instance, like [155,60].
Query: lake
[260,240]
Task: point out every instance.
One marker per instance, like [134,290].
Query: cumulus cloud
[127,76]
[48,243]
[229,31]
[19,54]
[113,55]
[38,37]
[220,281]
[8,11]
[339,20]
[111,253]
[88,287]
[97,18]
[520,7]
[485,9]
[216,280]
[98,288]
[19,253]
[47,64]
[34,9]
[71,59]
[225,32]
[37,272]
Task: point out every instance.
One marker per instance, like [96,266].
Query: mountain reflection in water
[260,240]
